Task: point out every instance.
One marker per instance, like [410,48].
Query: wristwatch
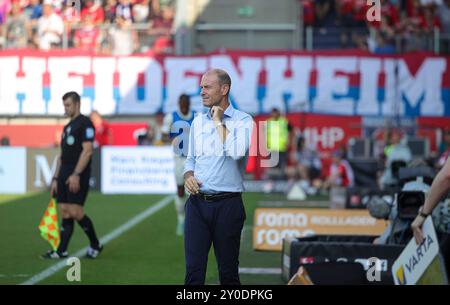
[422,214]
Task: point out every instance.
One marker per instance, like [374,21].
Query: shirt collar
[227,113]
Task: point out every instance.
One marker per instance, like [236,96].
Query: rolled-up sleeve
[238,140]
[190,160]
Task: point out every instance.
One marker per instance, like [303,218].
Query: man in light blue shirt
[219,144]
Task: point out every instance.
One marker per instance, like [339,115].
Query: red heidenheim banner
[333,82]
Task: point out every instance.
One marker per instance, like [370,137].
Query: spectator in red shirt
[359,13]
[352,18]
[308,12]
[341,173]
[87,38]
[163,45]
[429,21]
[161,28]
[103,135]
[162,25]
[344,9]
[414,11]
[94,9]
[389,11]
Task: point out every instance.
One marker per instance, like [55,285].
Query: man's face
[70,107]
[47,10]
[15,7]
[211,90]
[396,137]
[87,20]
[275,114]
[167,13]
[184,106]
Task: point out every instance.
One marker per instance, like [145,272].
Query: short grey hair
[222,75]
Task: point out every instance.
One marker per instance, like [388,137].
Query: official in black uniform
[71,181]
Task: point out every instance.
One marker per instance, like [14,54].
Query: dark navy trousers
[217,222]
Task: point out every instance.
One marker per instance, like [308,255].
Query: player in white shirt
[175,130]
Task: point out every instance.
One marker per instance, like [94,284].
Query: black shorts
[314,173]
[63,194]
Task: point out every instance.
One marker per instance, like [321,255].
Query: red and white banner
[343,83]
[325,132]
[123,134]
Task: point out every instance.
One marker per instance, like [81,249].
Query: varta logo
[415,259]
[401,275]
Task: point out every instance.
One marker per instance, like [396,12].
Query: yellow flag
[49,227]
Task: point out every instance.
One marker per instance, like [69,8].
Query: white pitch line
[260,270]
[104,240]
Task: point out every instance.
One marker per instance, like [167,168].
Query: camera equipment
[404,206]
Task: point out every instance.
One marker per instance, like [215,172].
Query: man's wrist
[218,123]
[75,173]
[188,174]
[423,213]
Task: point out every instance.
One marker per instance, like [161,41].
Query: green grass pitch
[149,253]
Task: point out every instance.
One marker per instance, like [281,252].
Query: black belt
[218,196]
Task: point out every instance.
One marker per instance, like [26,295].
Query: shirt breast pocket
[202,140]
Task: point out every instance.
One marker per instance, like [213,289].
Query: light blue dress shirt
[219,166]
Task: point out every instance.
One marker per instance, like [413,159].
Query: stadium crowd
[143,25]
[139,25]
[409,21]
